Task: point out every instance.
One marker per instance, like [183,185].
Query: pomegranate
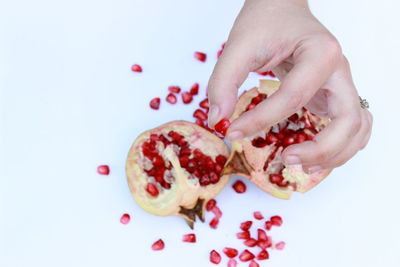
[259,158]
[176,169]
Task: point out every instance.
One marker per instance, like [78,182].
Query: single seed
[214,222]
[158,245]
[211,204]
[194,90]
[199,114]
[152,189]
[171,98]
[246,256]
[136,68]
[258,215]
[230,252]
[103,170]
[239,187]
[222,126]
[253,263]
[190,238]
[125,218]
[215,257]
[245,226]
[276,220]
[243,235]
[280,245]
[261,235]
[250,242]
[155,103]
[268,225]
[186,97]
[174,89]
[232,263]
[200,56]
[263,255]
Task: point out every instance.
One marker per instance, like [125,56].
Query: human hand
[283,36]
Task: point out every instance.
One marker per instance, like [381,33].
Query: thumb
[229,73]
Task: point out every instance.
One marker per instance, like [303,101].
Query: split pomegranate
[175,169]
[259,159]
[103,170]
[158,245]
[200,56]
[239,187]
[155,103]
[215,257]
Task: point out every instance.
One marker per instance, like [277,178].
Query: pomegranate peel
[172,148]
[259,158]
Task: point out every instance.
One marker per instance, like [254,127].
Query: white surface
[69,102]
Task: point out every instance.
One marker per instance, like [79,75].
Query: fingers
[312,67]
[229,73]
[353,146]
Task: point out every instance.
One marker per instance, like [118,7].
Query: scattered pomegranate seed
[125,218]
[222,126]
[243,235]
[276,220]
[268,225]
[263,255]
[171,98]
[194,90]
[200,56]
[245,226]
[258,215]
[261,235]
[219,53]
[155,103]
[232,263]
[199,114]
[190,238]
[223,45]
[230,252]
[267,73]
[246,256]
[215,257]
[186,97]
[253,263]
[211,204]
[152,189]
[214,222]
[280,245]
[103,170]
[174,89]
[204,104]
[239,187]
[158,245]
[217,212]
[136,68]
[250,242]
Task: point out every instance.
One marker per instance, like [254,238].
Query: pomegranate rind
[184,192]
[252,155]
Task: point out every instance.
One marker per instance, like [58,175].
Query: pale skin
[284,36]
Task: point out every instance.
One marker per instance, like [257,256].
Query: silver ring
[364,103]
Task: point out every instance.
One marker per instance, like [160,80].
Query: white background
[69,102]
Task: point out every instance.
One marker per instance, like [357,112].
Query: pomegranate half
[175,169]
[259,158]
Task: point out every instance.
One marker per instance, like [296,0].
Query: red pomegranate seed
[263,255]
[199,114]
[268,225]
[276,220]
[253,263]
[171,98]
[125,218]
[103,170]
[263,244]
[158,245]
[190,238]
[239,187]
[246,256]
[221,160]
[230,252]
[257,215]
[280,245]
[200,123]
[155,103]
[215,257]
[174,89]
[217,212]
[232,263]
[219,53]
[186,97]
[250,242]
[214,222]
[152,189]
[261,235]
[222,126]
[204,104]
[211,204]
[136,68]
[245,226]
[200,56]
[194,90]
[243,235]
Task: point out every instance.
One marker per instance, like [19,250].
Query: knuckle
[356,124]
[258,124]
[295,100]
[333,50]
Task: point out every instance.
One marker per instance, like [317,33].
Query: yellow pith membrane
[175,169]
[259,158]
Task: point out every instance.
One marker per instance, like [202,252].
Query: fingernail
[236,135]
[213,115]
[314,169]
[292,160]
